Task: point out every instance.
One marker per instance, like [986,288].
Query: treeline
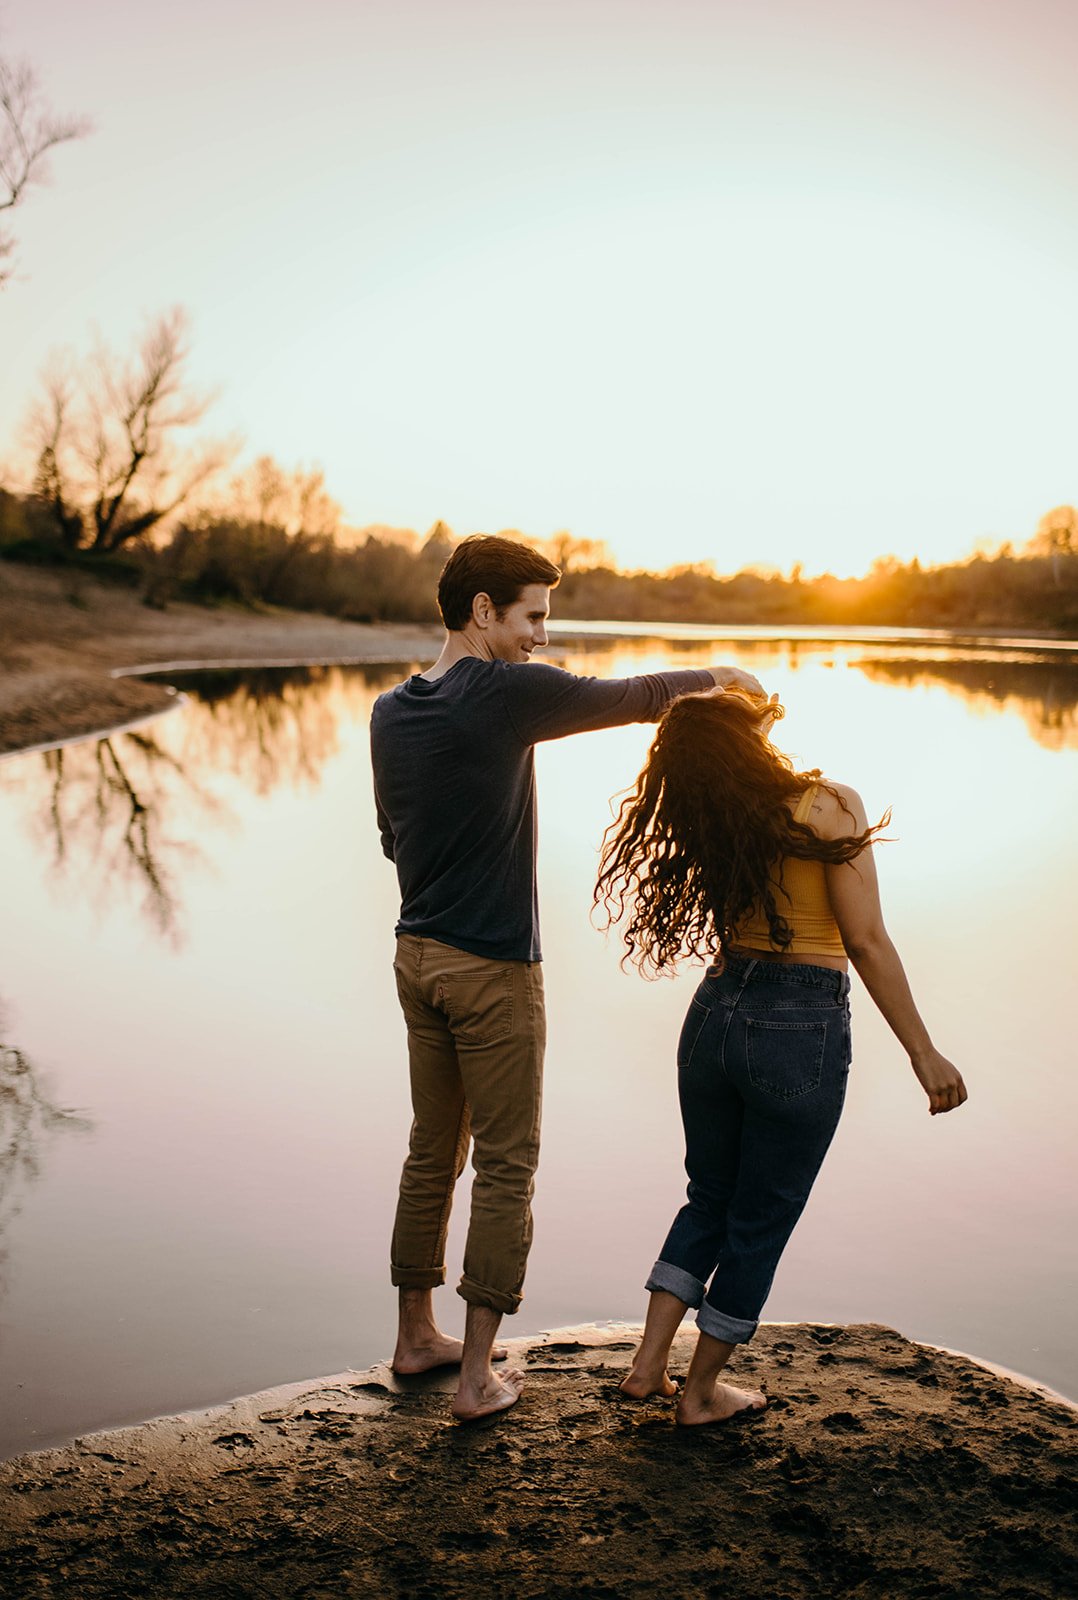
[391,577]
[292,553]
[113,486]
[228,558]
[1006,590]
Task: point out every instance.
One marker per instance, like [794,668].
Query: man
[454,780]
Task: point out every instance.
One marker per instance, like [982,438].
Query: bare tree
[1057,537]
[571,554]
[108,467]
[28,131]
[50,425]
[270,496]
[316,513]
[266,488]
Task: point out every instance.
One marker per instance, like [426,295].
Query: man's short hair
[486,563]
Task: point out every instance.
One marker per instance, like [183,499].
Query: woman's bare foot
[437,1351]
[640,1384]
[724,1402]
[494,1395]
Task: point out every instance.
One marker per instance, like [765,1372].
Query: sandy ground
[62,635]
[881,1470]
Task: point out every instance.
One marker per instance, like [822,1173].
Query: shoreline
[1011,1374]
[72,655]
[988,639]
[880,1467]
[75,651]
[195,1413]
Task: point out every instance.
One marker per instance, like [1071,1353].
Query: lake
[203,1096]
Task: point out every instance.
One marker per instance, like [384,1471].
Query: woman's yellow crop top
[802,898]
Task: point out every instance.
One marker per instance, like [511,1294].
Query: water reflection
[273,725]
[250,1089]
[28,1120]
[124,811]
[106,812]
[1041,689]
[265,726]
[1044,694]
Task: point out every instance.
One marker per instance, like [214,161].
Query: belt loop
[750,967]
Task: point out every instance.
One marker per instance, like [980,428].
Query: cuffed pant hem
[732,1330]
[676,1281]
[481,1294]
[416,1277]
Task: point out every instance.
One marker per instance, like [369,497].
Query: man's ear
[482,610]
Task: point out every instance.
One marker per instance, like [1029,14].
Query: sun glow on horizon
[703,286]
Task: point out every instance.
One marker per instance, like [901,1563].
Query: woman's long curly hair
[697,843]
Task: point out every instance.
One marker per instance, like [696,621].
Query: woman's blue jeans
[763,1060]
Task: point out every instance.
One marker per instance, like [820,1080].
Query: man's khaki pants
[476,1035]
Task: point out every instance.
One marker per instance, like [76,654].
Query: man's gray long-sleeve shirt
[454,783]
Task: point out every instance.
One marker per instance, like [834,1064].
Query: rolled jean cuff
[481,1294]
[676,1281]
[732,1330]
[416,1277]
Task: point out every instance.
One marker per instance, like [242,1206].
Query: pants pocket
[406,996]
[478,1005]
[696,1019]
[785,1059]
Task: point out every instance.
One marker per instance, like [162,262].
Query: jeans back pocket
[785,1059]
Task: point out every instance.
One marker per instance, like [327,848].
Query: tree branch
[28,132]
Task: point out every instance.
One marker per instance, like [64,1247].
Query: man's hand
[734,678]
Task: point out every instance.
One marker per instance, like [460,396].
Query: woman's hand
[941,1081]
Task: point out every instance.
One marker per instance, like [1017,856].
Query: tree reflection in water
[273,725]
[121,810]
[1043,693]
[107,810]
[28,1120]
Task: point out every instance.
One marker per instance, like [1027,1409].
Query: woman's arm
[855,900]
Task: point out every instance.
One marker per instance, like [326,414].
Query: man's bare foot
[497,1394]
[725,1402]
[439,1351]
[641,1385]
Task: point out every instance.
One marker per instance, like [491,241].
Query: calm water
[201,1133]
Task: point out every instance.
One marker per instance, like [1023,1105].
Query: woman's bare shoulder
[837,811]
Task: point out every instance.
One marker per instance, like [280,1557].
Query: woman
[723,851]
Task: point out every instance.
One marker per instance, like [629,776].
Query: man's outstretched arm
[547,703]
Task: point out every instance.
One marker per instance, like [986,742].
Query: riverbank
[881,1470]
[72,646]
[63,636]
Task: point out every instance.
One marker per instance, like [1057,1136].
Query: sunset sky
[748,283]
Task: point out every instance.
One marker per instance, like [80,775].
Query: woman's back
[800,891]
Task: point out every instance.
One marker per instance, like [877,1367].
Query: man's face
[522,629]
